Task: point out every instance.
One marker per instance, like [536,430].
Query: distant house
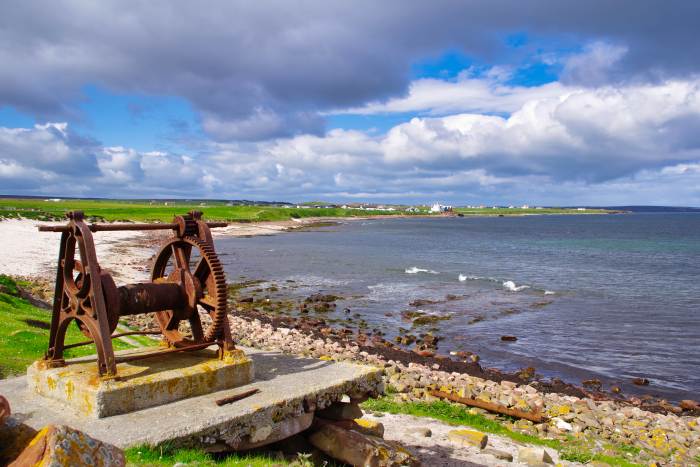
[437,207]
[525,206]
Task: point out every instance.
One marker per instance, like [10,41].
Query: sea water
[588,296]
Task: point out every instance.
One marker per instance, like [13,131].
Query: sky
[553,102]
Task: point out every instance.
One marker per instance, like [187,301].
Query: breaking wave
[510,285]
[415,270]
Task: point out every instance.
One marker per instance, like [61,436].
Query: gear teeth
[219,314]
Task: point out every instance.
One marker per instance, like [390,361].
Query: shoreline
[660,430]
[127,255]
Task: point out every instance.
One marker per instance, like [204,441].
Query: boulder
[62,445]
[468,438]
[359,449]
[534,456]
[341,411]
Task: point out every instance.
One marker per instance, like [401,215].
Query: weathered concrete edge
[236,431]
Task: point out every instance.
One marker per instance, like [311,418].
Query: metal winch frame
[181,284]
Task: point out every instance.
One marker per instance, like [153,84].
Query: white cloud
[613,144]
[487,94]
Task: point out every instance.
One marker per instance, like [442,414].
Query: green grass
[24,333]
[157,457]
[453,414]
[117,210]
[143,210]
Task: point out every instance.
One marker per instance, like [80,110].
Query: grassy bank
[143,210]
[166,457]
[116,210]
[24,331]
[575,450]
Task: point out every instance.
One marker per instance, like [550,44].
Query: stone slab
[141,383]
[289,387]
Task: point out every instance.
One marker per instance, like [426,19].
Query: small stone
[420,432]
[509,338]
[468,438]
[534,456]
[562,425]
[501,455]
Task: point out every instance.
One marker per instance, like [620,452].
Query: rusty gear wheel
[209,283]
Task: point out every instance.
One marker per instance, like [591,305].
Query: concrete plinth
[141,383]
[291,389]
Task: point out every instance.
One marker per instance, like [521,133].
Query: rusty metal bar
[236,397]
[113,227]
[535,417]
[139,333]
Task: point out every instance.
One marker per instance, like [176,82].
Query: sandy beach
[26,252]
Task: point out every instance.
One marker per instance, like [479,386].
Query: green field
[144,210]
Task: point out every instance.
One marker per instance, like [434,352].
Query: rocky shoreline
[653,436]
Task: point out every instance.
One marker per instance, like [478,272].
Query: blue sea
[591,296]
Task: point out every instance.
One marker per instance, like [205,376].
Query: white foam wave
[462,278]
[549,292]
[416,270]
[510,285]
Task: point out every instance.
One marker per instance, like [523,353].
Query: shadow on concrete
[269,365]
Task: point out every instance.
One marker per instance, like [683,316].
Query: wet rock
[321,298]
[527,374]
[422,302]
[468,438]
[356,448]
[640,381]
[424,352]
[62,445]
[593,383]
[509,338]
[688,404]
[534,456]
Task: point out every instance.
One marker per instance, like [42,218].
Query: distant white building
[437,207]
[525,206]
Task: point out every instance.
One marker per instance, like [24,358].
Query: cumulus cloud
[633,143]
[265,70]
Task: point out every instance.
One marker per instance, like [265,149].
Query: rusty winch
[187,277]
